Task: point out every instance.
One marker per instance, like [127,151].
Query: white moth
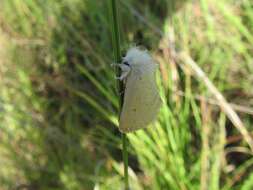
[141,97]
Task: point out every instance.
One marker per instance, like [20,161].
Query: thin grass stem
[117,58]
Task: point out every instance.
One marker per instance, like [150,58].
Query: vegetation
[59,101]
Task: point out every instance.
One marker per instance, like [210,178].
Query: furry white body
[141,97]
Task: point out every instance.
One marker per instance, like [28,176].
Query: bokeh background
[59,102]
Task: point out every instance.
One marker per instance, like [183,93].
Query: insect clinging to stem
[142,101]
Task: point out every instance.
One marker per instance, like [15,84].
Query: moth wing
[141,99]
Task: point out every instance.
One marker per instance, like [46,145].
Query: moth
[142,101]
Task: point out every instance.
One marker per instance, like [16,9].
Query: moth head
[136,56]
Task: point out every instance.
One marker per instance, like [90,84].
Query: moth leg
[122,76]
[114,64]
[125,71]
[121,93]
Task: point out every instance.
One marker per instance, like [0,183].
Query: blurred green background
[59,102]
